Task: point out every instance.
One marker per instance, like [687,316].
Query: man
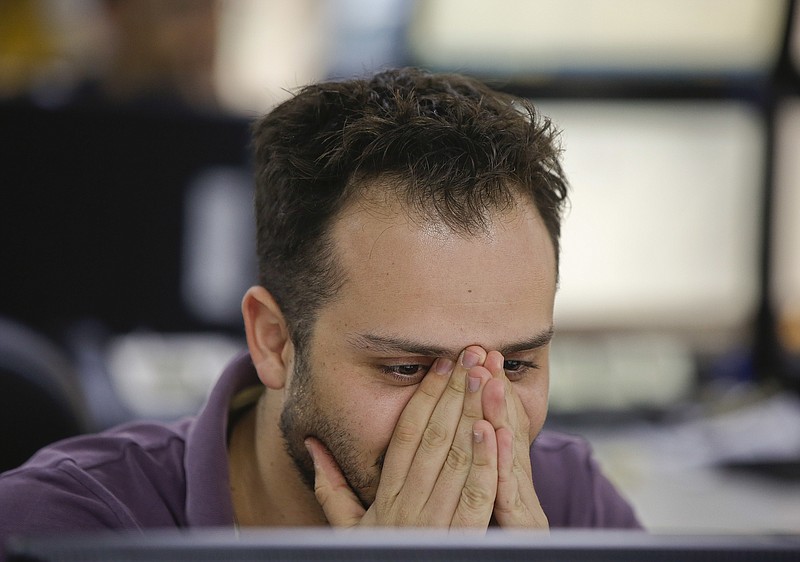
[397,374]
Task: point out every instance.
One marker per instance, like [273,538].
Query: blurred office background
[127,230]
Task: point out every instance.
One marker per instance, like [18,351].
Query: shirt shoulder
[571,487]
[125,478]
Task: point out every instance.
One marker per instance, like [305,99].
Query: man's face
[414,292]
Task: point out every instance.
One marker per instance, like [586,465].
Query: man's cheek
[531,407]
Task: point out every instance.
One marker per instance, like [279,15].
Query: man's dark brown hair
[451,148]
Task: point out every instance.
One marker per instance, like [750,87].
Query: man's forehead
[426,263]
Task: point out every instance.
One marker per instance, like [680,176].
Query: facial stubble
[302,417]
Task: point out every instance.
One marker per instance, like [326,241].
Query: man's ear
[271,348]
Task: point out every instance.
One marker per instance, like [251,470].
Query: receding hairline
[377,193]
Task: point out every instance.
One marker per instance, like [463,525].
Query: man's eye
[406,370]
[408,374]
[516,369]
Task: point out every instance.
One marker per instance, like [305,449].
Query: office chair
[41,400]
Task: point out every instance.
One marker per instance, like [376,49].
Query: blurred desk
[679,476]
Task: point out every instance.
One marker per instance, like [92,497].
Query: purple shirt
[146,475]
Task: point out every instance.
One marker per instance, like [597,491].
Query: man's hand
[441,466]
[517,504]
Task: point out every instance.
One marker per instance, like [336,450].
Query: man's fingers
[411,425]
[438,448]
[457,465]
[503,409]
[508,503]
[423,444]
[339,503]
[477,498]
[493,401]
[517,504]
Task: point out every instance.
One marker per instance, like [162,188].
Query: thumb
[339,503]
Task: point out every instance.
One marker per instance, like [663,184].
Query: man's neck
[266,488]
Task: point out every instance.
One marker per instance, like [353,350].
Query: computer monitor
[394,545]
[660,246]
[663,225]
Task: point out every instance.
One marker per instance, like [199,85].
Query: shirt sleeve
[58,499]
[611,510]
[573,491]
[130,478]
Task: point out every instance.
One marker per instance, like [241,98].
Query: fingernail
[474,383]
[477,436]
[443,365]
[470,359]
[310,451]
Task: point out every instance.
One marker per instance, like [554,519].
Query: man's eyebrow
[391,345]
[539,340]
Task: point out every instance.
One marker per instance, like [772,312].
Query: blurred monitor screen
[662,231]
[660,247]
[547,36]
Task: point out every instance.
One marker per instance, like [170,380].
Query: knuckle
[455,387]
[458,459]
[435,436]
[321,492]
[406,432]
[471,415]
[508,505]
[324,497]
[476,498]
[403,515]
[430,393]
[521,463]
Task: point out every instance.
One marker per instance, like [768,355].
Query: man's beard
[301,418]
